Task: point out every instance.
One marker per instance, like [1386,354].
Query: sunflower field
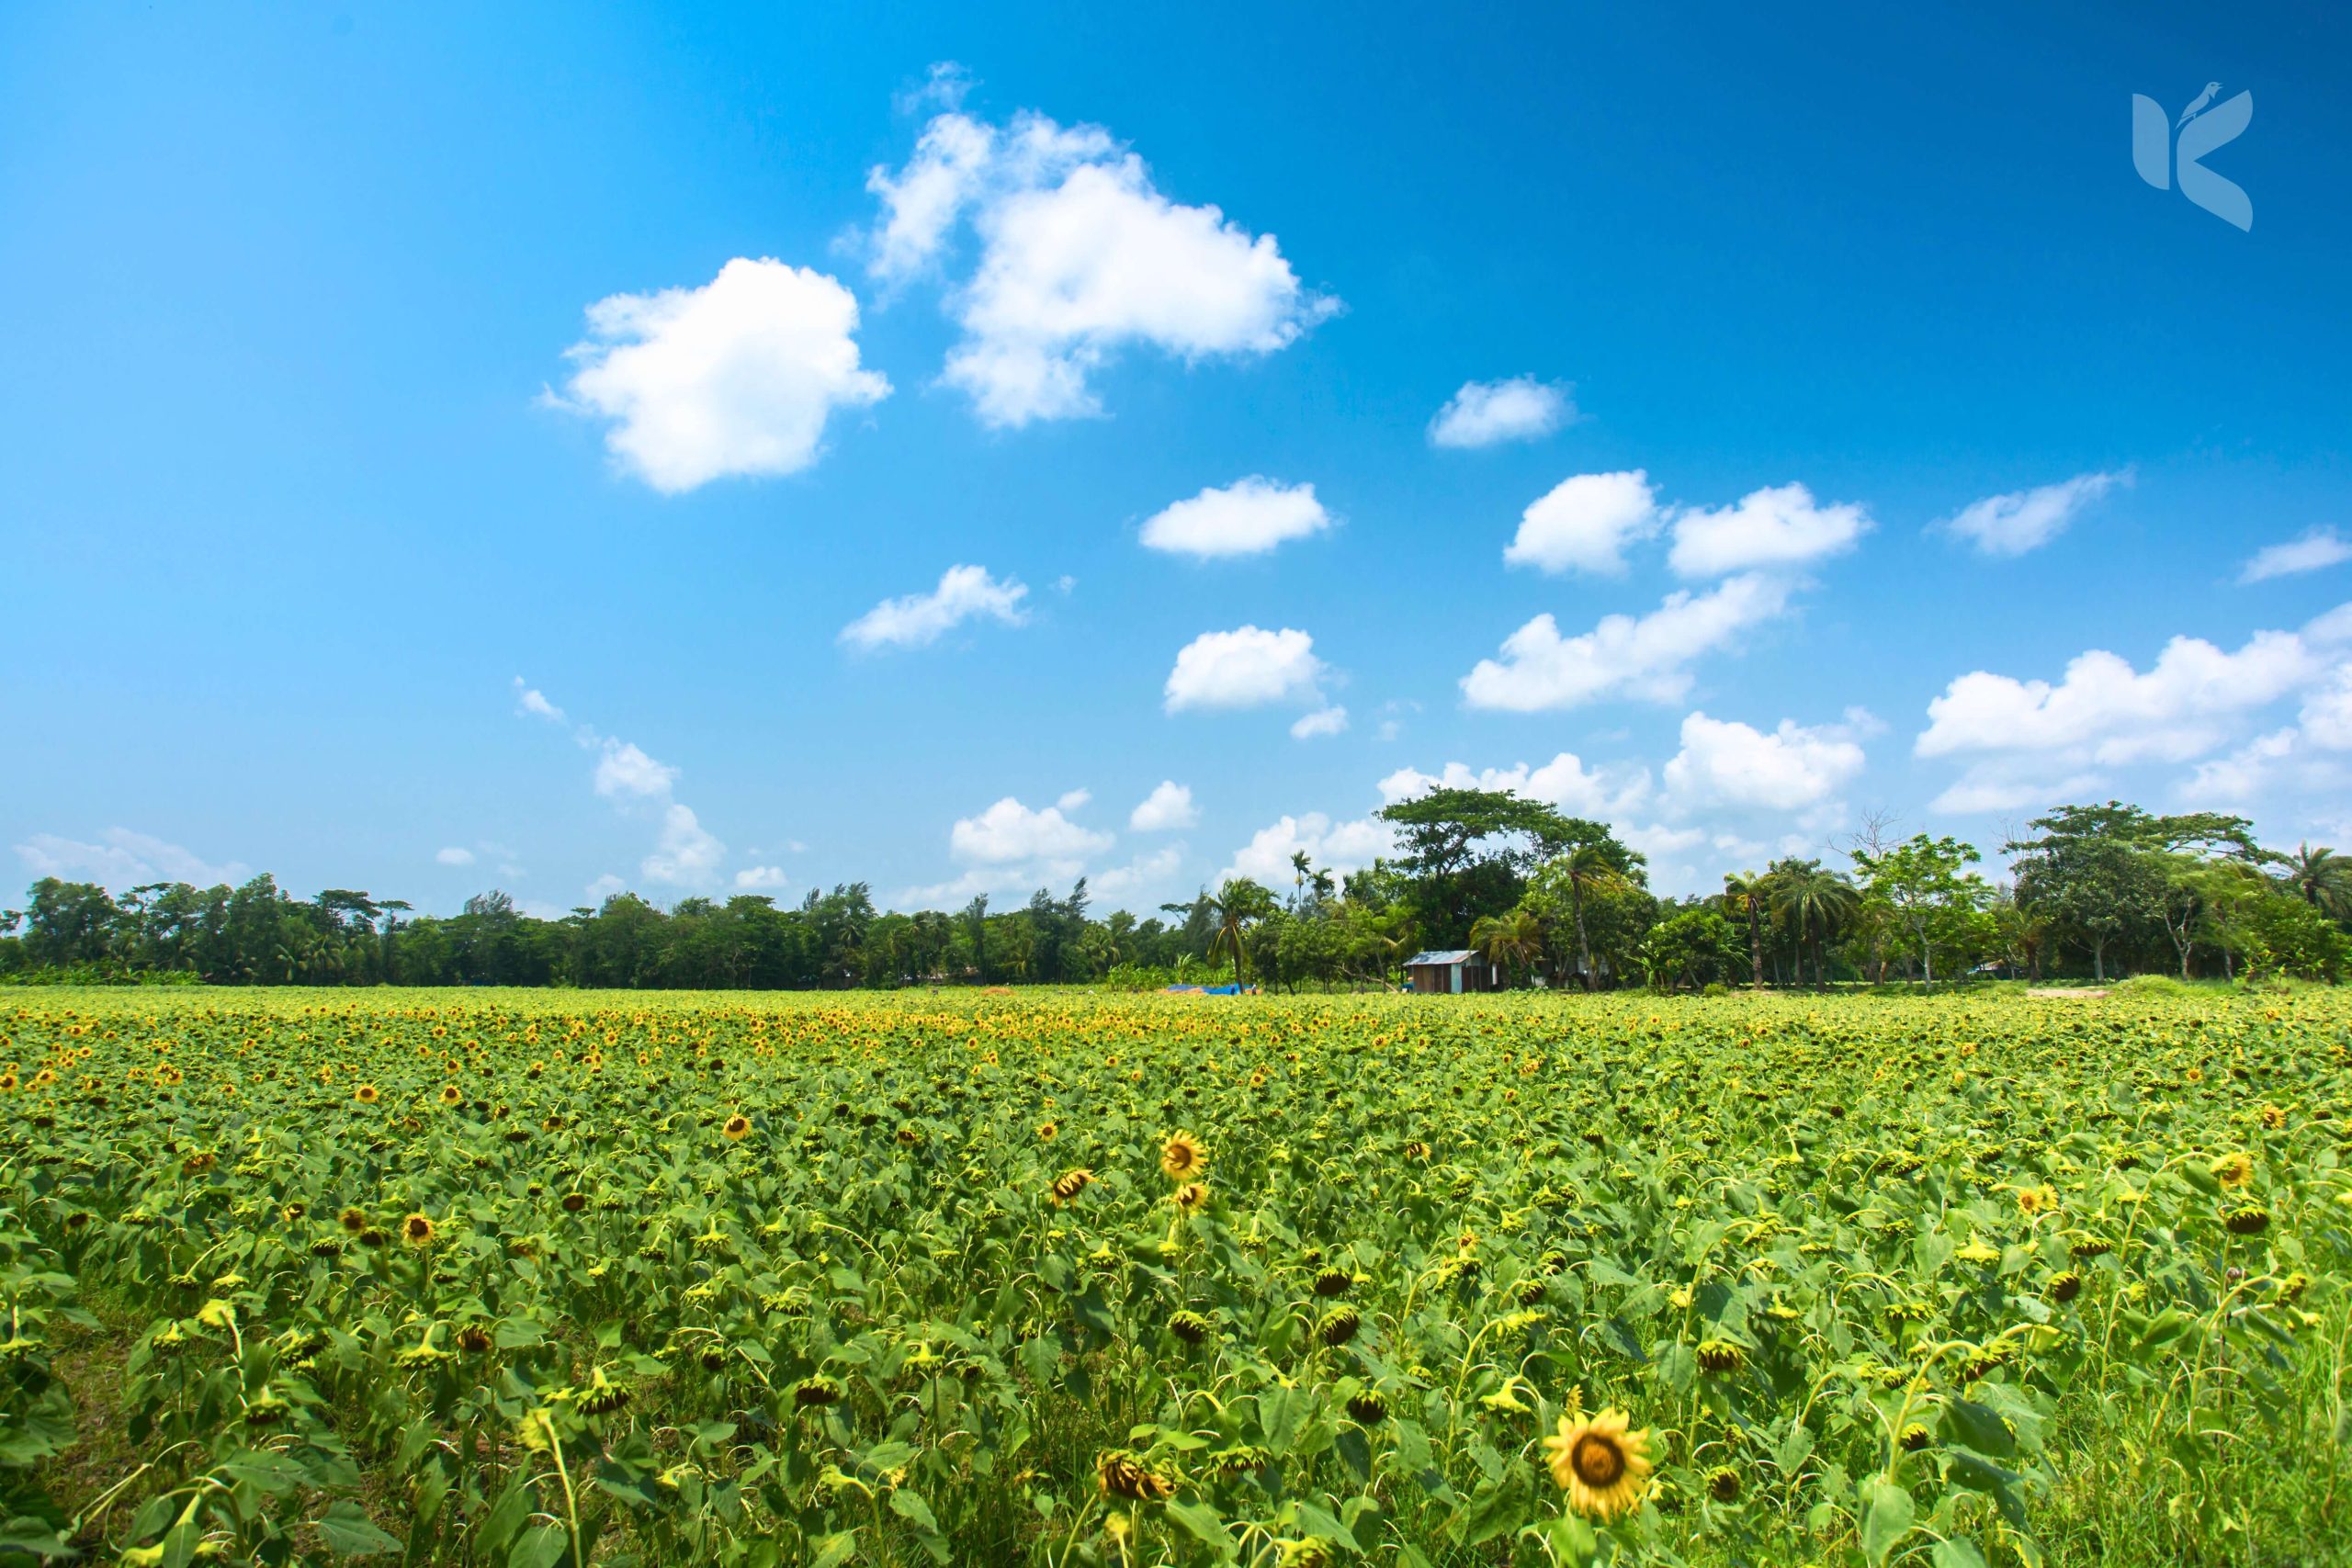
[545,1277]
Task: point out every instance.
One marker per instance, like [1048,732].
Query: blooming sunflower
[452,1095]
[738,1126]
[1192,1198]
[417,1230]
[2232,1171]
[366,1094]
[1599,1464]
[1182,1157]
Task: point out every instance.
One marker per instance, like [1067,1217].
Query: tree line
[2100,891]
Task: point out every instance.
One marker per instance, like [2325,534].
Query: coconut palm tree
[1747,893]
[1232,907]
[2323,878]
[1587,868]
[1510,940]
[1818,904]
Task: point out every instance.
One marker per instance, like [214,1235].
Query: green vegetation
[528,1277]
[1549,899]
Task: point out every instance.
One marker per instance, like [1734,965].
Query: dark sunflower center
[1597,1461]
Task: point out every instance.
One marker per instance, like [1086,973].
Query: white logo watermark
[2204,126]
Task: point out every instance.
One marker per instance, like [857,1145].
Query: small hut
[1451,972]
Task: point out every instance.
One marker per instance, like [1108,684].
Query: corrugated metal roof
[1451,955]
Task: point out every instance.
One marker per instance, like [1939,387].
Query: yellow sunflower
[2234,1171]
[738,1127]
[1602,1466]
[417,1230]
[1182,1157]
[451,1094]
[1192,1198]
[366,1094]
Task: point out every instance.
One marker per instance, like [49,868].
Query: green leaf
[1887,1512]
[1980,1427]
[909,1506]
[1205,1526]
[349,1532]
[541,1546]
[832,1550]
[1955,1552]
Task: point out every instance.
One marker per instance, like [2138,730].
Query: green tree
[1816,904]
[1750,893]
[1926,883]
[1510,941]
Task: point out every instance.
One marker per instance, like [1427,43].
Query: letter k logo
[2202,131]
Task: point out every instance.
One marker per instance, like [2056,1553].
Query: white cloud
[1485,414]
[2238,777]
[123,858]
[919,619]
[685,855]
[1244,667]
[1606,793]
[1072,800]
[1081,258]
[533,702]
[2330,629]
[2110,713]
[2326,714]
[2318,549]
[605,888]
[1247,517]
[1584,523]
[455,854]
[2028,519]
[1335,847]
[1724,762]
[760,879]
[1168,807]
[1321,723]
[1781,525]
[737,377]
[1643,658]
[1143,872]
[1009,833]
[623,770]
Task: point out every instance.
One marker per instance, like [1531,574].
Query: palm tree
[1232,906]
[2323,878]
[1747,892]
[1817,903]
[1588,868]
[1509,941]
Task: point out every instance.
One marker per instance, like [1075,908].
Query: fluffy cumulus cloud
[1646,657]
[2240,775]
[1010,833]
[965,593]
[455,854]
[685,853]
[1247,667]
[2319,548]
[1335,847]
[2028,519]
[1321,724]
[1724,762]
[1080,257]
[1166,809]
[736,378]
[1584,523]
[1487,413]
[1142,874]
[2326,714]
[1246,518]
[1780,526]
[1605,793]
[2026,741]
[760,879]
[123,858]
[623,770]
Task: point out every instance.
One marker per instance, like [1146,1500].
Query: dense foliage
[523,1277]
[2099,890]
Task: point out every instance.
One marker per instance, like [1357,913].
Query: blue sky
[447,447]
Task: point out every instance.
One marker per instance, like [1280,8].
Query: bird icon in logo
[2197,104]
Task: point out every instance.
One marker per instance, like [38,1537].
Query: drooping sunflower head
[1188,1325]
[1601,1464]
[417,1230]
[1339,1326]
[1070,1183]
[1722,1484]
[1182,1157]
[738,1127]
[2064,1287]
[1333,1282]
[1721,1356]
[1125,1475]
[2248,1218]
[1368,1408]
[2232,1171]
[353,1221]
